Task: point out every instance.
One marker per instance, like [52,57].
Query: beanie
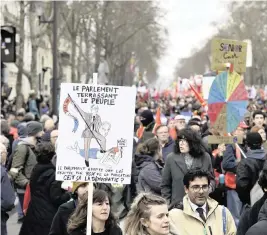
[76,185]
[254,140]
[34,128]
[147,116]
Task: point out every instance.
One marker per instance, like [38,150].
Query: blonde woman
[148,216]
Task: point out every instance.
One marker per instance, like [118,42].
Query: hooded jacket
[23,163]
[247,174]
[260,227]
[141,161]
[186,222]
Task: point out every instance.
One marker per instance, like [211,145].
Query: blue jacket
[229,159]
[168,148]
[7,192]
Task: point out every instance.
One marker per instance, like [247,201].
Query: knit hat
[147,116]
[34,128]
[76,185]
[254,140]
[22,129]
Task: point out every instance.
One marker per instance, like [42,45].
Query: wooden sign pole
[90,188]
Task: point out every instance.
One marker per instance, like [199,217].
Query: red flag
[199,97]
[158,121]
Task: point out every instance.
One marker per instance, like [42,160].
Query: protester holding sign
[103,221]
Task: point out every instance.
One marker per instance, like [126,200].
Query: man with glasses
[200,214]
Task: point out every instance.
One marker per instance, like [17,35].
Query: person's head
[258,118]
[196,184]
[254,140]
[53,137]
[3,152]
[150,147]
[49,125]
[171,123]
[44,152]
[29,117]
[94,109]
[241,130]
[148,215]
[195,126]
[4,141]
[162,133]
[4,127]
[44,118]
[22,130]
[100,212]
[79,189]
[34,129]
[146,117]
[179,122]
[188,141]
[260,130]
[20,117]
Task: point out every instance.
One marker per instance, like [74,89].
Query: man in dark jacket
[260,228]
[7,192]
[231,159]
[166,142]
[249,169]
[60,221]
[250,214]
[147,120]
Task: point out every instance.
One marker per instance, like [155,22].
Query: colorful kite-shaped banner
[66,111]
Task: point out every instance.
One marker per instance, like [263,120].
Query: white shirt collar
[194,207]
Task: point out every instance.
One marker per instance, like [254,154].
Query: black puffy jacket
[46,196]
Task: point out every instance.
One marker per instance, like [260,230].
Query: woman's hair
[140,208]
[149,147]
[196,149]
[79,217]
[256,129]
[44,152]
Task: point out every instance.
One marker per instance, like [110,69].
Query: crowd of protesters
[180,183]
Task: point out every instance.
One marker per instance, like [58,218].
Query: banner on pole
[95,133]
[228,51]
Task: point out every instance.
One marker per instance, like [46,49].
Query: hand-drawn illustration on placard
[95,133]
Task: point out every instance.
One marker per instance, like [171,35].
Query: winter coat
[260,228]
[229,158]
[23,163]
[112,231]
[186,222]
[167,149]
[7,195]
[172,186]
[46,197]
[250,215]
[141,161]
[150,178]
[60,221]
[247,174]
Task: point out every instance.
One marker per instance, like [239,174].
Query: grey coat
[150,178]
[172,186]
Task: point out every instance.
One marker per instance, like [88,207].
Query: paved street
[12,225]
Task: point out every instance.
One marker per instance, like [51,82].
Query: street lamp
[39,7]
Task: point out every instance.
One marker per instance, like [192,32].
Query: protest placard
[228,51]
[95,133]
[206,85]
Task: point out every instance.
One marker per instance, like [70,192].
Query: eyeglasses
[196,188]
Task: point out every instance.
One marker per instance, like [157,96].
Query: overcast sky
[189,25]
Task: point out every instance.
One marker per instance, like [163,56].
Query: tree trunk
[19,99]
[73,48]
[34,74]
[79,60]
